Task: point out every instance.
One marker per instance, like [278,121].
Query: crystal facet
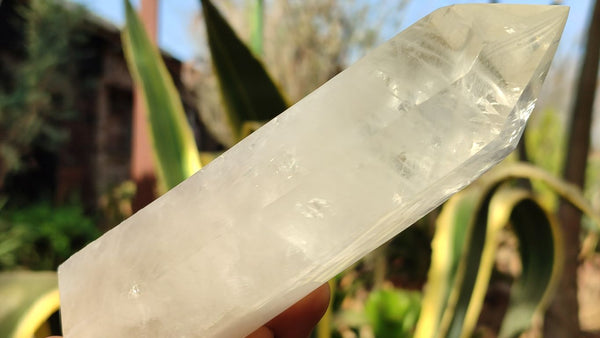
[314,190]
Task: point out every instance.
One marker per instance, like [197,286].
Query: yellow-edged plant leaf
[447,249]
[175,151]
[540,246]
[541,255]
[462,288]
[28,299]
[248,92]
[456,290]
[569,192]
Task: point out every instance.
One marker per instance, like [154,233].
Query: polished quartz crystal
[326,182]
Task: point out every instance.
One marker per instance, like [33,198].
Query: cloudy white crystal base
[329,180]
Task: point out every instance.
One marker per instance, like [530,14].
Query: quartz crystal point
[326,182]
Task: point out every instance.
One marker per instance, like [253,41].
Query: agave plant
[249,96]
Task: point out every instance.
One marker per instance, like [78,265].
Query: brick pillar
[142,166]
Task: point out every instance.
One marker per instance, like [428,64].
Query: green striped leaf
[540,247]
[541,255]
[447,247]
[28,300]
[249,94]
[464,249]
[175,152]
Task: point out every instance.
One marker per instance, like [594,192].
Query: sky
[176,37]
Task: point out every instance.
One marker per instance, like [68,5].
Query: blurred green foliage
[41,236]
[545,144]
[592,191]
[393,313]
[38,94]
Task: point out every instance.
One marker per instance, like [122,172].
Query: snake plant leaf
[175,151]
[463,293]
[568,191]
[459,275]
[540,246]
[447,247]
[248,92]
[28,300]
[541,256]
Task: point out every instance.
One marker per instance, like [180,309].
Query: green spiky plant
[249,96]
